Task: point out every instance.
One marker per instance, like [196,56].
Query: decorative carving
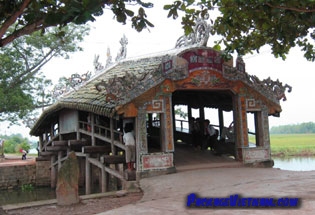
[199,36]
[252,104]
[109,59]
[123,49]
[74,81]
[273,90]
[240,64]
[142,130]
[117,88]
[59,89]
[169,122]
[97,65]
[157,104]
[277,88]
[205,79]
[77,79]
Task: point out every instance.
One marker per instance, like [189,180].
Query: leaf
[217,47]
[129,12]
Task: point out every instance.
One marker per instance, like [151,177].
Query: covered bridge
[89,120]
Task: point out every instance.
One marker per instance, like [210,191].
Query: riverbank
[286,154]
[292,145]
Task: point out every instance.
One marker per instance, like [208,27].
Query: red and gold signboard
[203,58]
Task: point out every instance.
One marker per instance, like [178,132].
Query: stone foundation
[16,176]
[42,173]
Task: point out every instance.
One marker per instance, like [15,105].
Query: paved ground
[208,176]
[168,194]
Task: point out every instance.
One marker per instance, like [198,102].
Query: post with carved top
[141,136]
[167,123]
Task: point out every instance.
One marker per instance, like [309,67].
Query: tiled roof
[128,79]
[117,85]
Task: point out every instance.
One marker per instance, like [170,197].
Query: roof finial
[123,49]
[199,36]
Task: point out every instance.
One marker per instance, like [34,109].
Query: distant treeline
[303,128]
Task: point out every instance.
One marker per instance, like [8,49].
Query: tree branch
[28,29]
[4,27]
[304,10]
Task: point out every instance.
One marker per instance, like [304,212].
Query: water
[20,196]
[295,163]
[37,194]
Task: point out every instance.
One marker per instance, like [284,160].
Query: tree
[22,85]
[28,16]
[14,143]
[244,25]
[247,25]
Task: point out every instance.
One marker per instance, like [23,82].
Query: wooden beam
[57,162]
[120,145]
[45,153]
[79,142]
[96,149]
[60,143]
[80,154]
[115,173]
[56,148]
[95,162]
[42,158]
[76,145]
[107,169]
[114,159]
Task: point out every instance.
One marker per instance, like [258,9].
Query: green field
[292,144]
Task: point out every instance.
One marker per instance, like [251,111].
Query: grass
[292,144]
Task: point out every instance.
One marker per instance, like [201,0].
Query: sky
[105,33]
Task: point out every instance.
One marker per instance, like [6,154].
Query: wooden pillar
[221,120]
[150,120]
[92,129]
[78,127]
[40,143]
[259,128]
[53,173]
[103,181]
[46,136]
[59,159]
[240,123]
[202,113]
[189,111]
[87,175]
[52,131]
[112,136]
